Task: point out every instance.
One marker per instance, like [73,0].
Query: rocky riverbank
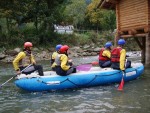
[7,56]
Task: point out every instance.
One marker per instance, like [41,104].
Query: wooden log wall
[133,21]
[132,16]
[148,15]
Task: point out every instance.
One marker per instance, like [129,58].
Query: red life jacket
[115,55]
[101,57]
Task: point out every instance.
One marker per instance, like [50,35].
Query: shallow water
[101,99]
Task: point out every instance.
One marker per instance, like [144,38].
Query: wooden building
[133,21]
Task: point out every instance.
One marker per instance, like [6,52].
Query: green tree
[100,18]
[75,12]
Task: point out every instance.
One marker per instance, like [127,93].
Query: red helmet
[63,49]
[66,46]
[27,44]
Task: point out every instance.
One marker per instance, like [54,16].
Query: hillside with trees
[33,20]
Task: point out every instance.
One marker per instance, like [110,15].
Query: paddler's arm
[19,57]
[64,60]
[122,59]
[106,53]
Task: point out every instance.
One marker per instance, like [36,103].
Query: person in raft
[105,55]
[52,61]
[118,57]
[62,64]
[26,58]
[69,59]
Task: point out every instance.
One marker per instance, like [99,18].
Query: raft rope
[85,85]
[77,85]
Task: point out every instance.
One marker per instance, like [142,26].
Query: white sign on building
[63,29]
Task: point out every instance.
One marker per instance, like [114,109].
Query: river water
[101,99]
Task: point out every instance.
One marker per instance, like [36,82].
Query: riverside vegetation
[81,45]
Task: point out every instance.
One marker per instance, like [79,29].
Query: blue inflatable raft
[93,77]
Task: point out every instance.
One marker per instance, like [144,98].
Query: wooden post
[147,54]
[143,50]
[117,35]
[0,29]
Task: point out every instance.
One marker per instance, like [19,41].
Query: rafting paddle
[120,88]
[95,63]
[14,76]
[84,67]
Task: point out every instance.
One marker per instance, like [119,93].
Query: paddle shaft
[121,83]
[122,80]
[14,76]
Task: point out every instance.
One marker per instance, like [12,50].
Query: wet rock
[2,56]
[86,46]
[35,49]
[11,52]
[97,49]
[51,49]
[93,54]
[17,50]
[8,59]
[84,54]
[45,54]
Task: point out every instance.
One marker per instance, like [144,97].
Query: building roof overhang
[107,4]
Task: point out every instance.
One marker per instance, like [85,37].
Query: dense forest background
[33,20]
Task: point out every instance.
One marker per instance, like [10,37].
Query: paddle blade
[120,88]
[84,67]
[95,63]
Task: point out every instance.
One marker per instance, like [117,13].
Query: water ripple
[101,99]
